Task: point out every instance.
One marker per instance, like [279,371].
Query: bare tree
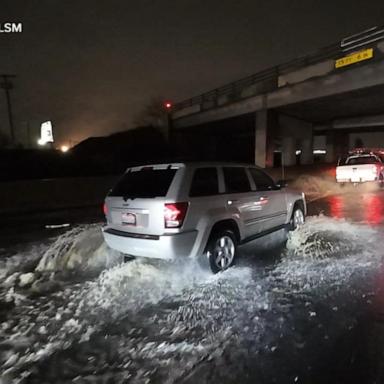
[153,114]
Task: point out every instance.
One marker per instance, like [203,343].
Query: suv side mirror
[282,184]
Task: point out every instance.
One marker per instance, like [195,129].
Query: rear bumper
[359,179]
[159,247]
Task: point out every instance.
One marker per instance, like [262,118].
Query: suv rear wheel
[221,250]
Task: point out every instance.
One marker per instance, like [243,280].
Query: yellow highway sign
[354,58]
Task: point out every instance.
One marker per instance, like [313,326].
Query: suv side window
[236,180]
[204,182]
[262,181]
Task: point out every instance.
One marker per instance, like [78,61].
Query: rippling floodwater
[290,314]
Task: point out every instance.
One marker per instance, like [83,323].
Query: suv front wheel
[297,218]
[221,250]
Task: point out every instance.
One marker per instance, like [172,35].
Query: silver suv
[203,210]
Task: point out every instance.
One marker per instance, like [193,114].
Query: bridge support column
[261,127]
[289,150]
[307,147]
[296,135]
[330,156]
[337,145]
[264,127]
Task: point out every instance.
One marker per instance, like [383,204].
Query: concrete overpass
[324,101]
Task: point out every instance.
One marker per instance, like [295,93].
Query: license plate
[128,219]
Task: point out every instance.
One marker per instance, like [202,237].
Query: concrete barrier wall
[53,194]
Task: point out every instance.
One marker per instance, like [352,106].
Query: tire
[224,242]
[297,218]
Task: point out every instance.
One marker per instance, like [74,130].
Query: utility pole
[168,109]
[7,85]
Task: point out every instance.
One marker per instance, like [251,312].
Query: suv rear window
[236,180]
[204,182]
[361,160]
[144,183]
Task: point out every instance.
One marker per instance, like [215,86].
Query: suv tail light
[105,209]
[174,214]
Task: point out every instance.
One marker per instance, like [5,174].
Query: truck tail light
[105,209]
[174,214]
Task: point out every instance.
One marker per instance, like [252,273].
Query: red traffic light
[168,105]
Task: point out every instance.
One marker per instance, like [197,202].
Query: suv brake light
[174,214]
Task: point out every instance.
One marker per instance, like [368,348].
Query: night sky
[91,65]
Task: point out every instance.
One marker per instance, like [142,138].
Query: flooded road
[359,206]
[309,309]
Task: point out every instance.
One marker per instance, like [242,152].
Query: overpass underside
[315,113]
[319,130]
[326,128]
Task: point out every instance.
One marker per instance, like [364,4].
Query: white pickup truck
[360,168]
